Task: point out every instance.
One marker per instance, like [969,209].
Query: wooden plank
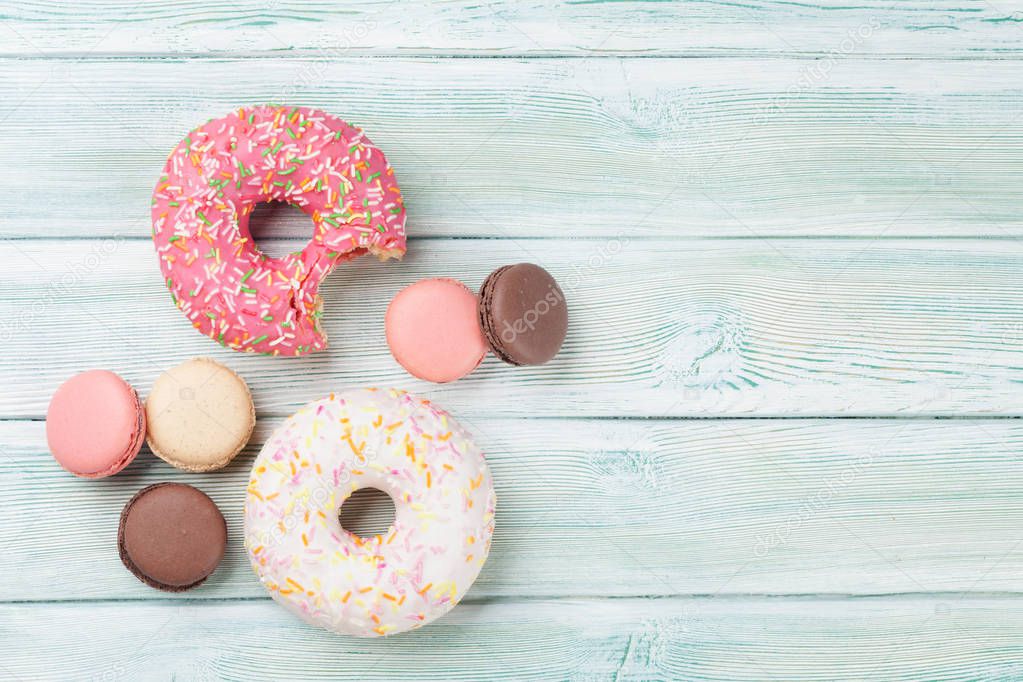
[555,147]
[376,27]
[933,638]
[683,328]
[609,508]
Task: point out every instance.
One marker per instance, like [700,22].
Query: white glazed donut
[444,512]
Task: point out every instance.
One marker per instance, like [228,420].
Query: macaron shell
[200,415]
[523,314]
[433,332]
[171,536]
[95,424]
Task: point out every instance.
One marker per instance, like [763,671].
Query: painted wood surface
[920,28]
[622,509]
[920,638]
[764,209]
[555,147]
[657,328]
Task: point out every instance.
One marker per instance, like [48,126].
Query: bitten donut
[366,438]
[214,178]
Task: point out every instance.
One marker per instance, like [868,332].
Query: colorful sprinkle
[386,583]
[201,207]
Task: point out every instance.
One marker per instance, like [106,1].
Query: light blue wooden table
[782,439]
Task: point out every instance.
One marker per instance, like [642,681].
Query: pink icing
[212,181]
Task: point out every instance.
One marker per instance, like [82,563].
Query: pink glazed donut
[213,179]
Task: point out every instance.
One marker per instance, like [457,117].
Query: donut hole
[367,512]
[271,223]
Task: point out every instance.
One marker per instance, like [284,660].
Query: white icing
[444,512]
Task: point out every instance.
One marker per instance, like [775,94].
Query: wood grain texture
[780,507]
[555,147]
[805,141]
[919,28]
[667,639]
[677,328]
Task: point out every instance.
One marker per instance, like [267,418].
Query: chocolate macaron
[523,314]
[172,536]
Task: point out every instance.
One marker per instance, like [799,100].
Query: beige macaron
[199,415]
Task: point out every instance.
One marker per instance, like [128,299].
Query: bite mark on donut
[217,276]
[294,306]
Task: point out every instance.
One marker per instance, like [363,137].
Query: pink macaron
[95,424]
[433,330]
